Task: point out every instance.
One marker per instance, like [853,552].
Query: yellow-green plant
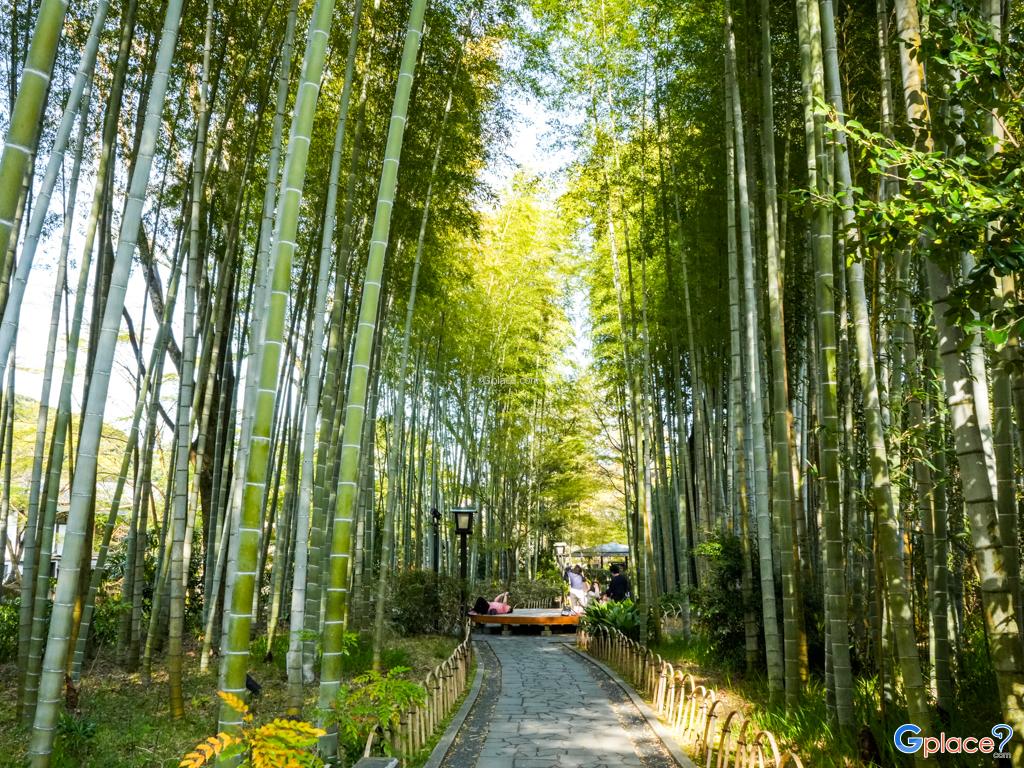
[372,701]
[277,744]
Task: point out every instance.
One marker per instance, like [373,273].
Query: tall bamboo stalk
[77,105]
[783,503]
[387,540]
[333,634]
[186,393]
[755,400]
[244,577]
[998,602]
[148,390]
[897,591]
[26,116]
[312,394]
[835,588]
[51,681]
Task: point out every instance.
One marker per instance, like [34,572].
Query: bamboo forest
[511,383]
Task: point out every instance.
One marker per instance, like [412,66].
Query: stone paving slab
[550,709]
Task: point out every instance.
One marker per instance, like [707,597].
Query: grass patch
[123,724]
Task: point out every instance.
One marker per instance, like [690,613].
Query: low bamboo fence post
[442,686]
[700,721]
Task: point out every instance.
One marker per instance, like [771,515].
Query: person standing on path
[577,589]
[619,587]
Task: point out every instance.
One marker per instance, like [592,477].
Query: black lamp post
[463,527]
[435,517]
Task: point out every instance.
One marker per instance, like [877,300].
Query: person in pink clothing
[500,605]
[495,607]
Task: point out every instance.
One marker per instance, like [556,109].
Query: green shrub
[74,738]
[976,680]
[550,575]
[717,606]
[359,656]
[106,620]
[371,700]
[424,603]
[277,654]
[622,616]
[9,628]
[670,600]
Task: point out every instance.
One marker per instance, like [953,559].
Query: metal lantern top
[561,549]
[463,519]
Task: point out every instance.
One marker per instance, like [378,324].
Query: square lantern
[463,520]
[561,549]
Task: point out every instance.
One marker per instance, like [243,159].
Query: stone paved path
[553,710]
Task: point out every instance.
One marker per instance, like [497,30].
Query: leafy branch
[277,744]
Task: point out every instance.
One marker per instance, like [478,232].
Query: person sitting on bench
[495,607]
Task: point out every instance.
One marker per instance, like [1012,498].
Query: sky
[34,326]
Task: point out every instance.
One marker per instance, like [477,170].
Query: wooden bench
[528,617]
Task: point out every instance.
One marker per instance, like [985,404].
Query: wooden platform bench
[528,617]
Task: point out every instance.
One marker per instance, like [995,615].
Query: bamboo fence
[444,685]
[695,715]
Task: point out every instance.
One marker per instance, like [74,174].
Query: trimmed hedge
[424,603]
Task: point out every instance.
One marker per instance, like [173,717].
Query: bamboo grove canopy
[272,288]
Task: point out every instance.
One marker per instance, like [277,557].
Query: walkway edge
[448,738]
[659,728]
